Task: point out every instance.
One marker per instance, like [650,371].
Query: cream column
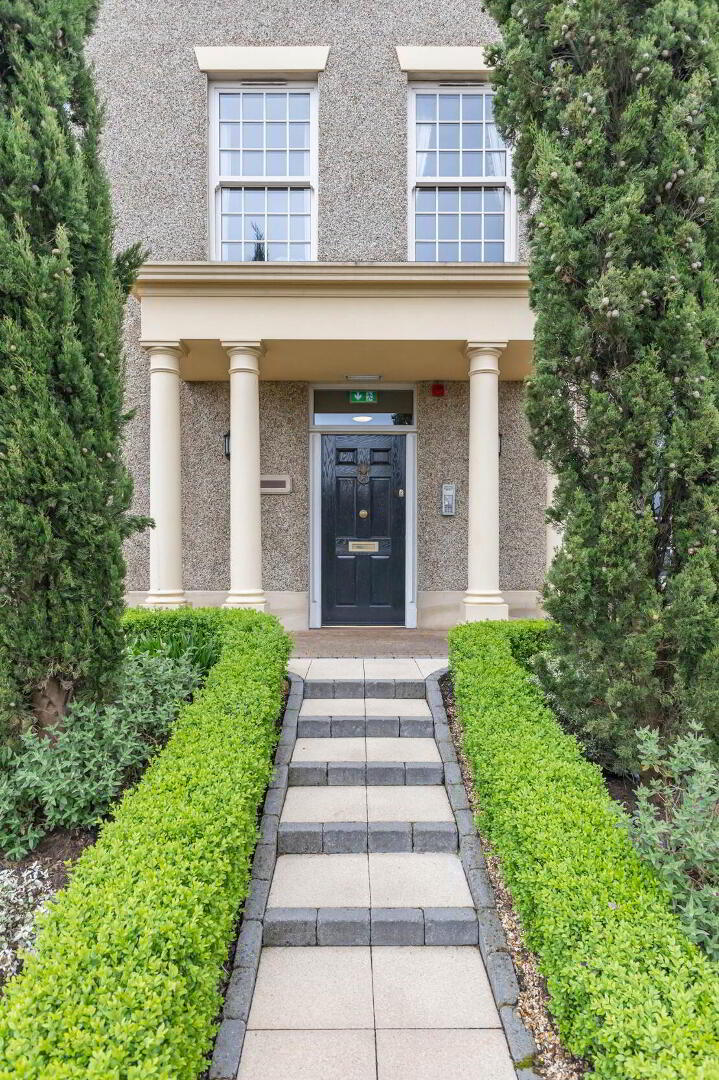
[483,599]
[245,513]
[166,586]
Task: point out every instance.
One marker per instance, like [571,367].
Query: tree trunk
[49,704]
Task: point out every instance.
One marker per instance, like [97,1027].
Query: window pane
[471,252]
[493,199]
[491,136]
[425,226]
[472,136]
[426,136]
[276,106]
[254,200]
[299,200]
[449,252]
[276,252]
[276,136]
[300,136]
[254,253]
[299,106]
[230,164]
[252,136]
[277,227]
[299,163]
[254,228]
[425,253]
[232,227]
[449,136]
[494,252]
[449,106]
[494,164]
[489,108]
[230,106]
[232,252]
[472,106]
[471,164]
[426,199]
[230,136]
[252,106]
[300,252]
[426,164]
[277,200]
[494,227]
[472,199]
[426,107]
[448,199]
[448,164]
[276,163]
[232,200]
[251,163]
[300,228]
[448,226]
[471,226]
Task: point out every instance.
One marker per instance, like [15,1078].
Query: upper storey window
[264,165]
[460,177]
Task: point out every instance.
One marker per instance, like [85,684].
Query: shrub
[125,980]
[676,828]
[628,990]
[72,781]
[193,633]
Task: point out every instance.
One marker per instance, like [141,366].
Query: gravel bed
[553,1061]
[24,892]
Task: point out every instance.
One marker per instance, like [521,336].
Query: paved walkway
[368,869]
[369,641]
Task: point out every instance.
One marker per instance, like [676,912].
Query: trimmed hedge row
[628,990]
[124,984]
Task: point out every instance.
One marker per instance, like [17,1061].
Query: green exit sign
[363,397]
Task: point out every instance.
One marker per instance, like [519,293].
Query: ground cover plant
[64,489]
[124,981]
[628,990]
[612,107]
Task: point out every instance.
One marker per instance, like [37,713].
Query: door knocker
[363,474]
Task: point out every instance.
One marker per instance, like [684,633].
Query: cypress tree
[64,490]
[613,110]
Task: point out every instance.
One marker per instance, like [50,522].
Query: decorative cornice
[231,61]
[204,277]
[426,61]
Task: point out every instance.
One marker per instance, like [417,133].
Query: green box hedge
[628,990]
[125,981]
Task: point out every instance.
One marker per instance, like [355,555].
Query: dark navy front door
[363,530]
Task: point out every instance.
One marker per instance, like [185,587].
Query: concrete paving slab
[308,1055]
[429,666]
[411,880]
[432,987]
[436,1055]
[334,668]
[379,749]
[394,707]
[327,804]
[421,803]
[299,667]
[334,707]
[391,669]
[333,750]
[321,881]
[304,988]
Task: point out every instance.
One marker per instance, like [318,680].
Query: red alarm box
[437,389]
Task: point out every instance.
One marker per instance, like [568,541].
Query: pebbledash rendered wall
[156,146]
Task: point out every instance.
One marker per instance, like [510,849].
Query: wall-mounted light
[227,445]
[363,378]
[362,419]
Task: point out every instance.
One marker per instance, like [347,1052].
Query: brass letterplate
[363,545]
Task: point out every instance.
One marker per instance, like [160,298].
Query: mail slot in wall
[363,545]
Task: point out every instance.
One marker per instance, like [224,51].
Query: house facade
[328,342]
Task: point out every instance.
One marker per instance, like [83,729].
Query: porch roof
[323,321]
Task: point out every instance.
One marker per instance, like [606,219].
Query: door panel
[363,481]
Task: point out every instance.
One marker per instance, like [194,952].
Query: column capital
[484,355]
[244,355]
[165,355]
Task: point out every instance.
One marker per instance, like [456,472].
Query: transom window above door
[264,167]
[461,205]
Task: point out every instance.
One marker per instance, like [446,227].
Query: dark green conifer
[64,490]
[613,109]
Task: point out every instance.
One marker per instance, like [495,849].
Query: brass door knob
[364,513]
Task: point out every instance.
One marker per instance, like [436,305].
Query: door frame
[409,434]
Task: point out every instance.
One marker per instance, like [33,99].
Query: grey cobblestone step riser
[299,927]
[369,688]
[364,773]
[357,837]
[348,727]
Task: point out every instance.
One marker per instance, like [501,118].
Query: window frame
[414,182]
[217,182]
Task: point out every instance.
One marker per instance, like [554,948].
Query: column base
[481,606]
[166,599]
[251,599]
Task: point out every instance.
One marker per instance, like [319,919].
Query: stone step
[365,688]
[364,773]
[343,727]
[350,837]
[353,926]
